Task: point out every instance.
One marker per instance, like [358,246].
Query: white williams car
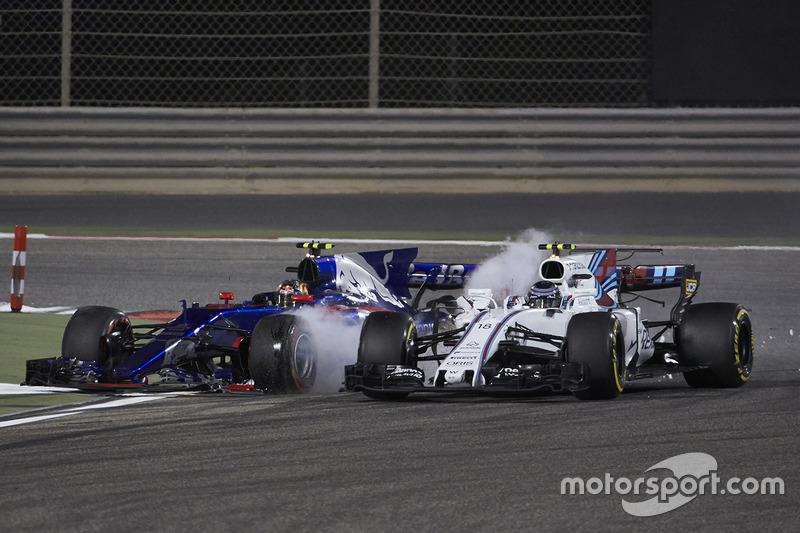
[574,331]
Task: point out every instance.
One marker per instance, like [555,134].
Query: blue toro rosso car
[265,343]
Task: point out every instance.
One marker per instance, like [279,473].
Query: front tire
[719,336]
[596,339]
[388,338]
[283,355]
[100,334]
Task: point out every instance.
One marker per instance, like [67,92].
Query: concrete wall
[90,143]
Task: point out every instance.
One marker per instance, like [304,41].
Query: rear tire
[283,355]
[719,336]
[388,338]
[596,339]
[97,333]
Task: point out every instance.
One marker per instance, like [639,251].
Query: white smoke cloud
[512,271]
[515,268]
[336,340]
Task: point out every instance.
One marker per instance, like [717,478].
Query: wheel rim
[618,357]
[410,346]
[304,358]
[743,346]
[121,331]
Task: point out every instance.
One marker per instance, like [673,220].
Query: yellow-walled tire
[388,338]
[596,339]
[718,336]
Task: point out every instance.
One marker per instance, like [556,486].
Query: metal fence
[337,53]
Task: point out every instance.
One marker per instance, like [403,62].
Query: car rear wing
[654,277]
[439,275]
[629,279]
[395,269]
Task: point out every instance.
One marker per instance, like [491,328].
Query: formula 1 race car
[574,332]
[265,343]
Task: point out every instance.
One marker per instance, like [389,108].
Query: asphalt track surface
[342,462]
[734,217]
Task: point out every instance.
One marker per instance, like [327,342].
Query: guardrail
[533,143]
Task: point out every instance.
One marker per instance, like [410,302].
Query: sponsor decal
[691,286]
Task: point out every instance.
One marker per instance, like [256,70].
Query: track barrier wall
[113,143]
[404,89]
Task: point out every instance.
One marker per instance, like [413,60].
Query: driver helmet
[544,295]
[287,289]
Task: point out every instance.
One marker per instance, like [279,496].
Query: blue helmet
[544,295]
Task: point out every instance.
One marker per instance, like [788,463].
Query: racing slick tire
[388,338]
[596,339]
[97,333]
[283,355]
[720,337]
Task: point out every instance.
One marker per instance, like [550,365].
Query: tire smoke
[336,339]
[512,271]
[515,268]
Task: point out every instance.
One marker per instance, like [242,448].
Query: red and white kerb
[18,267]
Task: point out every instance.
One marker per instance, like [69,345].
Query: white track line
[119,402]
[251,239]
[293,240]
[10,388]
[31,419]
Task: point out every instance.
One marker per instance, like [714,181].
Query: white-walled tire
[283,355]
[97,333]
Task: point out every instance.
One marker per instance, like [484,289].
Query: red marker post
[18,267]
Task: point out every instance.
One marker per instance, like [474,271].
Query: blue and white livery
[575,332]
